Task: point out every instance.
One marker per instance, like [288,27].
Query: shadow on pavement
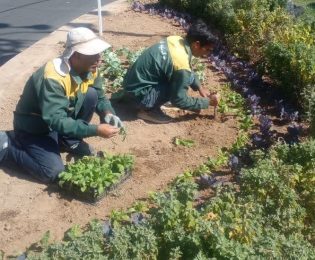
[11,47]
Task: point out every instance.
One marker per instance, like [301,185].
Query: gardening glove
[113,120]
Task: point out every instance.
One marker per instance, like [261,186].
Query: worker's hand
[204,92]
[106,130]
[113,120]
[214,99]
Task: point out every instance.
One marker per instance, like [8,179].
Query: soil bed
[28,208]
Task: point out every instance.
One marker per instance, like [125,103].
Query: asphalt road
[23,22]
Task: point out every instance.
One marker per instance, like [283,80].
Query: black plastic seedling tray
[91,196]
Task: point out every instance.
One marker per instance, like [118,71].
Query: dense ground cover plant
[78,244]
[266,218]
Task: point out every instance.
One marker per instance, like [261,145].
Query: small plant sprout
[123,133]
[184,142]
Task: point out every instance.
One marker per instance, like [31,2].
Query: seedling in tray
[90,178]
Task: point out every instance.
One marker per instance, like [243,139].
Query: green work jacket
[52,99]
[167,62]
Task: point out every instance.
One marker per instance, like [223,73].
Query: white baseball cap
[84,41]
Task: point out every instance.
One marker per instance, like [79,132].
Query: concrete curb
[15,72]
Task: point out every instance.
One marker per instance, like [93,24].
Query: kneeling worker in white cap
[55,109]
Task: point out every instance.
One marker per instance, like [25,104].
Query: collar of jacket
[63,68]
[188,50]
[77,78]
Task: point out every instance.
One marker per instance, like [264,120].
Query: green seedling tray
[90,196]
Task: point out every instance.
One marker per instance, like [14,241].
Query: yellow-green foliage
[296,32]
[254,28]
[290,60]
[300,40]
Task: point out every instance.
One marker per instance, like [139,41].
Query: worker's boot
[155,115]
[81,148]
[4,143]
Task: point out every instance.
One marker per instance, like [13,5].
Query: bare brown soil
[28,208]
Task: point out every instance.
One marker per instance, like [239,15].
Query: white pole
[100,23]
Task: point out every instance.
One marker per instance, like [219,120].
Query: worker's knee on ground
[50,173]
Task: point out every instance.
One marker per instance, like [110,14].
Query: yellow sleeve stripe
[178,53]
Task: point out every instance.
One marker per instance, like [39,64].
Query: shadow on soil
[127,111]
[311,5]
[14,171]
[52,188]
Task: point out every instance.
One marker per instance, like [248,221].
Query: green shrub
[132,242]
[89,245]
[253,29]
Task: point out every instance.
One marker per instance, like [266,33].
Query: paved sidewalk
[16,71]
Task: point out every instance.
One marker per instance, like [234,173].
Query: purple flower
[235,82]
[287,115]
[253,99]
[152,11]
[294,131]
[176,18]
[245,90]
[229,73]
[255,109]
[182,22]
[137,218]
[234,163]
[265,125]
[231,58]
[259,142]
[107,228]
[137,6]
[205,181]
